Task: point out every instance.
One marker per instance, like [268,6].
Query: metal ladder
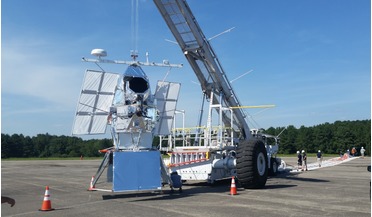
[203,60]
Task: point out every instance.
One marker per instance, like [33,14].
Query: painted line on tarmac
[324,164]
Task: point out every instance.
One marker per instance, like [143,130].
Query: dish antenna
[99,53]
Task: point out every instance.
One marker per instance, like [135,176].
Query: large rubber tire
[273,171]
[252,164]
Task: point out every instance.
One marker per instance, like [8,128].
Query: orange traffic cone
[233,187]
[91,186]
[47,204]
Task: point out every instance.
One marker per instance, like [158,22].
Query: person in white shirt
[362,150]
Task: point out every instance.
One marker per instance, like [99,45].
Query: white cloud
[29,69]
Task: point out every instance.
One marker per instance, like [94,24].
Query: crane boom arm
[202,59]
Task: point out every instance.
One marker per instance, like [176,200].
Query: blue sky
[310,58]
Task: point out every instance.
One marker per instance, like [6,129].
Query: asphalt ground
[341,190]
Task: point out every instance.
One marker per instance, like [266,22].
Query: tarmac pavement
[341,190]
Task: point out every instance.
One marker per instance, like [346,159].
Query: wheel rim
[275,167]
[261,164]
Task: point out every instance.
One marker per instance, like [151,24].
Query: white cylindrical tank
[227,163]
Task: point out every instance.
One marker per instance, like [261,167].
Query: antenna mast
[135,22]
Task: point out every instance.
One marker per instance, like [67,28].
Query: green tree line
[330,138]
[46,145]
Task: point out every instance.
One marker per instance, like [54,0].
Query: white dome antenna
[98,53]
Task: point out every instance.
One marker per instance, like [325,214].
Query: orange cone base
[233,192]
[46,206]
[46,210]
[233,187]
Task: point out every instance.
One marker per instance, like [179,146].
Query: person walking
[299,161]
[362,150]
[353,152]
[304,160]
[319,158]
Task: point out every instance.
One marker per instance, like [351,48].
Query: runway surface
[340,190]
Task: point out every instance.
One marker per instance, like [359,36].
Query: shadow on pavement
[195,188]
[295,176]
[188,189]
[279,186]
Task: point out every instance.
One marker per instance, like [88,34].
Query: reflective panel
[166,101]
[94,103]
